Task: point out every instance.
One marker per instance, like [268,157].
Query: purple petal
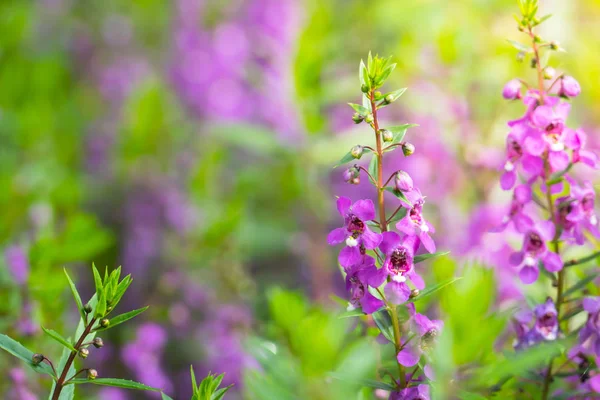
[370,303]
[337,236]
[408,357]
[595,383]
[562,110]
[397,292]
[591,304]
[424,324]
[547,230]
[364,209]
[430,375]
[559,160]
[516,258]
[370,239]
[552,262]
[427,242]
[389,242]
[529,274]
[508,179]
[523,194]
[522,222]
[376,276]
[542,116]
[571,139]
[349,256]
[424,389]
[589,158]
[416,280]
[535,145]
[406,225]
[534,166]
[343,205]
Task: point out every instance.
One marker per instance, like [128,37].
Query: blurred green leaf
[426,256]
[57,336]
[384,323]
[119,319]
[115,382]
[18,350]
[580,284]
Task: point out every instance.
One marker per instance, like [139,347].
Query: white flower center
[424,227]
[530,261]
[505,219]
[557,146]
[399,278]
[351,242]
[509,166]
[593,220]
[350,307]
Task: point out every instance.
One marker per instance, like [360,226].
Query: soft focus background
[192,142]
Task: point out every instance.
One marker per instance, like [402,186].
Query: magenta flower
[545,327]
[516,214]
[535,250]
[426,332]
[17,263]
[515,154]
[569,87]
[577,140]
[512,90]
[413,224]
[551,116]
[355,232]
[420,392]
[356,285]
[576,213]
[589,336]
[398,265]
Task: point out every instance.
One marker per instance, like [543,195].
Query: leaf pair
[209,387]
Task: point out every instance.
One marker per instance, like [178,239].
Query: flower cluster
[379,263]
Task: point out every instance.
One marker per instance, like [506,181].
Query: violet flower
[545,327]
[569,87]
[17,263]
[516,214]
[589,336]
[356,285]
[420,392]
[413,224]
[426,333]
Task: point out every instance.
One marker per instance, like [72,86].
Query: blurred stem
[60,383]
[383,225]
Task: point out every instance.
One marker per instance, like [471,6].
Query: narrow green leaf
[427,256]
[364,382]
[520,46]
[395,95]
[399,131]
[97,280]
[57,336]
[398,194]
[101,306]
[76,295]
[544,18]
[218,395]
[193,376]
[363,75]
[580,285]
[432,289]
[573,312]
[399,215]
[115,382]
[359,109]
[119,319]
[357,312]
[348,157]
[373,166]
[164,396]
[18,350]
[384,323]
[583,260]
[121,289]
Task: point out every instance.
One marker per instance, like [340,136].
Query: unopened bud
[408,149]
[549,73]
[386,135]
[534,62]
[364,88]
[520,56]
[414,293]
[351,175]
[404,182]
[554,45]
[84,353]
[536,21]
[98,342]
[369,118]
[87,308]
[36,359]
[569,87]
[357,118]
[389,99]
[537,38]
[104,322]
[357,151]
[512,90]
[92,374]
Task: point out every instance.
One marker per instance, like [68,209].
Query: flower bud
[534,62]
[404,182]
[386,135]
[92,374]
[377,95]
[352,175]
[36,359]
[104,322]
[98,342]
[84,353]
[389,99]
[549,73]
[357,151]
[537,38]
[369,118]
[512,90]
[520,56]
[87,308]
[414,293]
[408,149]
[357,118]
[569,87]
[364,88]
[554,45]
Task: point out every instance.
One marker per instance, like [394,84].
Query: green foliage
[209,387]
[18,350]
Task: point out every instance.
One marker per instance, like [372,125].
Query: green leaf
[542,19]
[101,306]
[164,396]
[427,256]
[399,131]
[557,176]
[76,295]
[373,166]
[68,392]
[348,157]
[218,395]
[583,260]
[398,194]
[364,382]
[395,95]
[18,350]
[57,336]
[363,75]
[357,312]
[432,289]
[384,323]
[580,285]
[573,312]
[385,74]
[115,382]
[97,280]
[359,109]
[193,377]
[519,46]
[399,215]
[119,319]
[121,289]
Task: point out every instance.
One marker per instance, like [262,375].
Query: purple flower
[512,90]
[420,392]
[551,118]
[403,181]
[514,155]
[569,87]
[545,327]
[356,285]
[576,212]
[398,265]
[521,196]
[535,249]
[577,140]
[355,232]
[413,224]
[589,336]
[426,333]
[18,264]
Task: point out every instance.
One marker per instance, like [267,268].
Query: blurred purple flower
[18,263]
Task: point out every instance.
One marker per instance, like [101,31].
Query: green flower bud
[357,118]
[104,322]
[408,149]
[364,88]
[369,118]
[554,45]
[549,73]
[357,151]
[92,374]
[386,135]
[36,359]
[389,99]
[414,293]
[537,38]
[84,353]
[87,308]
[377,95]
[98,342]
[534,62]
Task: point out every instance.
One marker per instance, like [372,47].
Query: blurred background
[193,143]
